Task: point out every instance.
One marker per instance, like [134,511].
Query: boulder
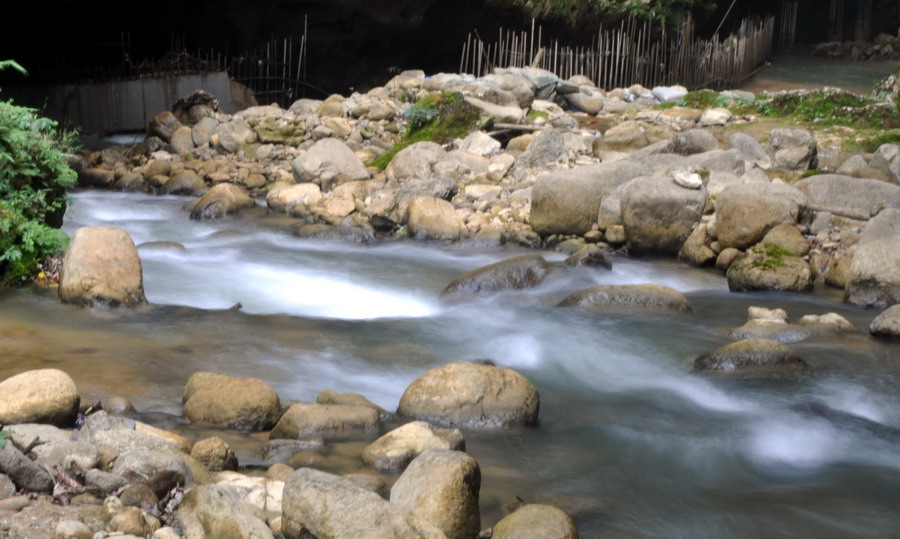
[238,403]
[692,142]
[203,131]
[590,255]
[548,147]
[25,473]
[586,100]
[753,151]
[159,470]
[787,237]
[536,521]
[732,161]
[749,356]
[101,267]
[628,297]
[625,137]
[887,159]
[215,454]
[887,324]
[235,135]
[515,84]
[57,447]
[793,149]
[304,420]
[119,435]
[397,448]
[216,511]
[329,162]
[774,325]
[186,182]
[499,113]
[658,214]
[131,181]
[223,199]
[435,219]
[96,177]
[847,195]
[525,271]
[769,267]
[874,278]
[262,495]
[480,143]
[328,396]
[326,506]
[746,212]
[164,125]
[568,202]
[39,396]
[441,486]
[469,395]
[696,250]
[287,196]
[416,161]
[716,116]
[182,140]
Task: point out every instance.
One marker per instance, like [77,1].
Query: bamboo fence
[629,54]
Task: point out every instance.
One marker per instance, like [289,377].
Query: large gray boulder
[186,182]
[520,272]
[647,297]
[233,136]
[39,396]
[847,195]
[329,162]
[875,271]
[215,511]
[25,473]
[658,214]
[692,142]
[469,395]
[751,356]
[102,266]
[746,212]
[536,521]
[793,149]
[398,447]
[159,470]
[238,403]
[441,487]
[416,161]
[326,506]
[568,202]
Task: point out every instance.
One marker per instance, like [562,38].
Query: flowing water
[629,442]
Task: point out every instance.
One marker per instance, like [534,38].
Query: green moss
[532,114]
[813,172]
[771,256]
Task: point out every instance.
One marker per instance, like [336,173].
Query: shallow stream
[629,443]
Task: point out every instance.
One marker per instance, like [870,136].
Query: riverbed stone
[753,151]
[746,212]
[182,140]
[329,396]
[887,159]
[186,182]
[215,454]
[223,199]
[96,177]
[536,521]
[591,255]
[793,149]
[416,161]
[838,274]
[435,219]
[625,137]
[25,473]
[852,197]
[887,324]
[692,142]
[520,272]
[568,202]
[304,420]
[101,267]
[234,135]
[159,470]
[397,448]
[239,403]
[310,499]
[285,197]
[465,394]
[643,297]
[329,162]
[787,237]
[874,278]
[696,250]
[39,396]
[164,125]
[203,130]
[658,214]
[769,267]
[749,356]
[216,511]
[441,486]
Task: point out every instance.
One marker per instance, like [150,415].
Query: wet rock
[887,324]
[793,149]
[159,470]
[726,257]
[215,511]
[215,454]
[658,215]
[186,182]
[847,195]
[774,325]
[164,125]
[73,529]
[203,130]
[328,396]
[24,472]
[628,297]
[746,212]
[695,250]
[305,420]
[469,395]
[692,142]
[838,274]
[568,202]
[536,521]
[749,356]
[525,271]
[874,278]
[239,403]
[397,448]
[441,487]
[96,177]
[39,396]
[118,405]
[590,255]
[223,199]
[287,196]
[769,267]
[787,237]
[329,162]
[354,234]
[101,266]
[436,219]
[282,451]
[107,483]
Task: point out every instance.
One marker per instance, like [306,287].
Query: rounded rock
[39,396]
[239,403]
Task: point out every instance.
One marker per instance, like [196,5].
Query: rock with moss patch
[750,356]
[769,267]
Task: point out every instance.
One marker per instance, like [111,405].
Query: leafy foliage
[34,173]
[671,13]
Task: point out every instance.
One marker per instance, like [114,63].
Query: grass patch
[871,144]
[437,118]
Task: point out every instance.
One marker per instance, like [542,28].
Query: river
[629,442]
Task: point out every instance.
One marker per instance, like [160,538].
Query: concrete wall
[126,105]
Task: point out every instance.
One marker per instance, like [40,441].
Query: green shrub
[34,173]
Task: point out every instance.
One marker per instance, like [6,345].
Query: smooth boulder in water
[239,403]
[536,521]
[520,272]
[631,296]
[750,356]
[887,324]
[39,396]
[397,448]
[464,394]
[223,199]
[875,271]
[102,266]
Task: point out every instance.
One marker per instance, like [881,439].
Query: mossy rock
[273,131]
[769,267]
